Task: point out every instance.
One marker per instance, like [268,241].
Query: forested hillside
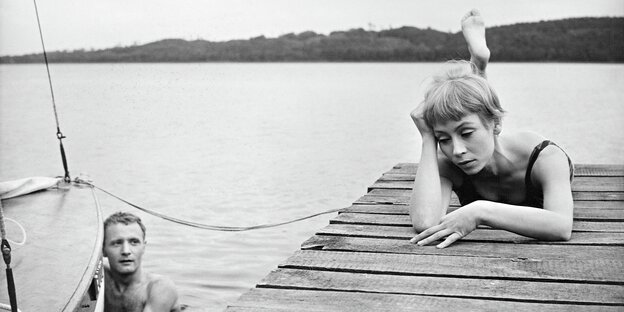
[568,40]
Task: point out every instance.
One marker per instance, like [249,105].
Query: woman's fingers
[425,233]
[439,234]
[449,240]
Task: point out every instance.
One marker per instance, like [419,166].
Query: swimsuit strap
[536,151]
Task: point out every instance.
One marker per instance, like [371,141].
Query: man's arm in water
[162,296]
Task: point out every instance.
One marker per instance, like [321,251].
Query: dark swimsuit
[534,196]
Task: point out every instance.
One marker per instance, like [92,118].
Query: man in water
[127,286]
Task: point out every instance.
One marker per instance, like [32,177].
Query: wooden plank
[480,235]
[581,214]
[619,196]
[586,184]
[580,170]
[404,220]
[380,196]
[465,248]
[576,195]
[547,292]
[389,200]
[267,299]
[578,204]
[363,261]
[602,270]
[598,170]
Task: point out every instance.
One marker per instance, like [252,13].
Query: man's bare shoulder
[153,279]
[162,293]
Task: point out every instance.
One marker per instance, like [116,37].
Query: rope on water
[59,134]
[206,226]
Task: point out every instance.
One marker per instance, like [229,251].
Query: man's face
[124,247]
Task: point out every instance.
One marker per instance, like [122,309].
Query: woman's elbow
[424,216]
[562,236]
[563,232]
[421,224]
[558,225]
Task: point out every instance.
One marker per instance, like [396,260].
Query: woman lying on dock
[500,180]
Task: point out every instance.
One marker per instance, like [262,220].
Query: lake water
[246,144]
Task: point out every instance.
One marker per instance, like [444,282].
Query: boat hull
[59,268]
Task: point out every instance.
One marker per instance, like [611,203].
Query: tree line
[566,40]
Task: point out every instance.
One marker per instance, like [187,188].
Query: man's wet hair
[125,218]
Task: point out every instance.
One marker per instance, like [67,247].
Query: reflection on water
[245,144]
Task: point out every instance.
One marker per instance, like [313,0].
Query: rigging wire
[59,134]
[201,225]
[4,245]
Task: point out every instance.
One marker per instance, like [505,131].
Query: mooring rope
[201,225]
[59,134]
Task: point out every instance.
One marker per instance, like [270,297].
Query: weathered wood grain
[602,270]
[480,235]
[604,204]
[619,196]
[404,220]
[580,170]
[402,197]
[477,288]
[279,300]
[580,214]
[464,248]
[579,184]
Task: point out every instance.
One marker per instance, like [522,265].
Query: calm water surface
[245,144]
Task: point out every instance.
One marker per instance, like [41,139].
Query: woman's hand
[419,121]
[453,226]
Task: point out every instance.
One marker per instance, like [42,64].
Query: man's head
[125,218]
[459,92]
[124,242]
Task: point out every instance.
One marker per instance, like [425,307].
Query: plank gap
[373,272]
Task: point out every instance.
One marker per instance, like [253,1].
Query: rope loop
[21,229]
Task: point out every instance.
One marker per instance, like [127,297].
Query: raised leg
[473,29]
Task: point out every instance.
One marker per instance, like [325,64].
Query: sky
[98,24]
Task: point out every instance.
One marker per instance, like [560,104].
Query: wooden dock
[362,261]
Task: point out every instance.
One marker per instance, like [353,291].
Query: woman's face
[468,143]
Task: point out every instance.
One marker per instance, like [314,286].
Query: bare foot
[473,29]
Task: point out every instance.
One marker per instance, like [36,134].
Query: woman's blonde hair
[459,91]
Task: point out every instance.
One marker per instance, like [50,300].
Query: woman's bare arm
[431,193]
[554,222]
